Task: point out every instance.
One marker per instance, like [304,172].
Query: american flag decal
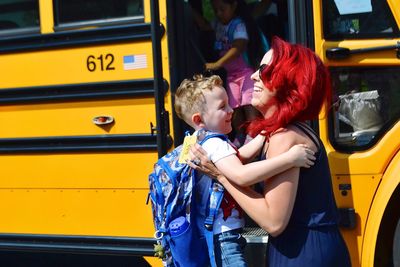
[133,62]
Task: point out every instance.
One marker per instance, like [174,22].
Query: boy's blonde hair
[189,98]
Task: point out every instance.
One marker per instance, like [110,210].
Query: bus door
[82,122]
[359,41]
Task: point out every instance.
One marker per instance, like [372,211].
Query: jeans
[229,249]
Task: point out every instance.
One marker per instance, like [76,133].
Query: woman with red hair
[297,207]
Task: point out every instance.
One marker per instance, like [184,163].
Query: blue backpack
[184,239]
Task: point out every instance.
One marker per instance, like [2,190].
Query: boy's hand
[301,156]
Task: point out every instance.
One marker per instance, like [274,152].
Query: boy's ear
[196,119]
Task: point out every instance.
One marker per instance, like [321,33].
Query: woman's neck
[269,112]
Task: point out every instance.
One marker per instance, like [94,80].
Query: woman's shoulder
[285,134]
[292,135]
[284,138]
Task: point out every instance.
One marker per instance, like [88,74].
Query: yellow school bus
[360,42]
[86,109]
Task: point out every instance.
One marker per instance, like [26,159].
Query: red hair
[302,84]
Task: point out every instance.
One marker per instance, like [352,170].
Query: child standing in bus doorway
[203,104]
[239,44]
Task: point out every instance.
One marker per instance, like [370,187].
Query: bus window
[358,19]
[366,104]
[97,11]
[271,16]
[18,16]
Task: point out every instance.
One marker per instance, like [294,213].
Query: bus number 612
[104,62]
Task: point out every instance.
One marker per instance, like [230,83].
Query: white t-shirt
[216,149]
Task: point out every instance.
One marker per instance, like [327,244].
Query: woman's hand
[200,162]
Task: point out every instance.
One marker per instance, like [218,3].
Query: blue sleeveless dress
[312,237]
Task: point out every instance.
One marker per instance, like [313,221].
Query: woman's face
[261,94]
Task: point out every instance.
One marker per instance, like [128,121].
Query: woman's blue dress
[312,237]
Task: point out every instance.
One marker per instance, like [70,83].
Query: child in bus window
[239,45]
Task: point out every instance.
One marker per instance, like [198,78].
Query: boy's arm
[253,148]
[245,175]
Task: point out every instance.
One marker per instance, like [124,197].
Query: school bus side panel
[389,183]
[62,172]
[363,180]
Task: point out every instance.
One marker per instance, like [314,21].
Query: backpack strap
[216,191]
[208,136]
[216,194]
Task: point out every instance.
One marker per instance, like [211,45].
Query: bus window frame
[359,36]
[99,23]
[93,23]
[31,29]
[356,148]
[387,125]
[19,32]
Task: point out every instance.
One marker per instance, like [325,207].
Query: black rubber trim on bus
[162,115]
[84,91]
[347,218]
[72,38]
[59,144]
[123,246]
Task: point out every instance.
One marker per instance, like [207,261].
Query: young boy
[203,104]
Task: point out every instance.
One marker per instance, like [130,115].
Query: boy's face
[217,116]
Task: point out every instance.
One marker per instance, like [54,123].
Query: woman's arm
[272,210]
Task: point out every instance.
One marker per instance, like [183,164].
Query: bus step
[255,235]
